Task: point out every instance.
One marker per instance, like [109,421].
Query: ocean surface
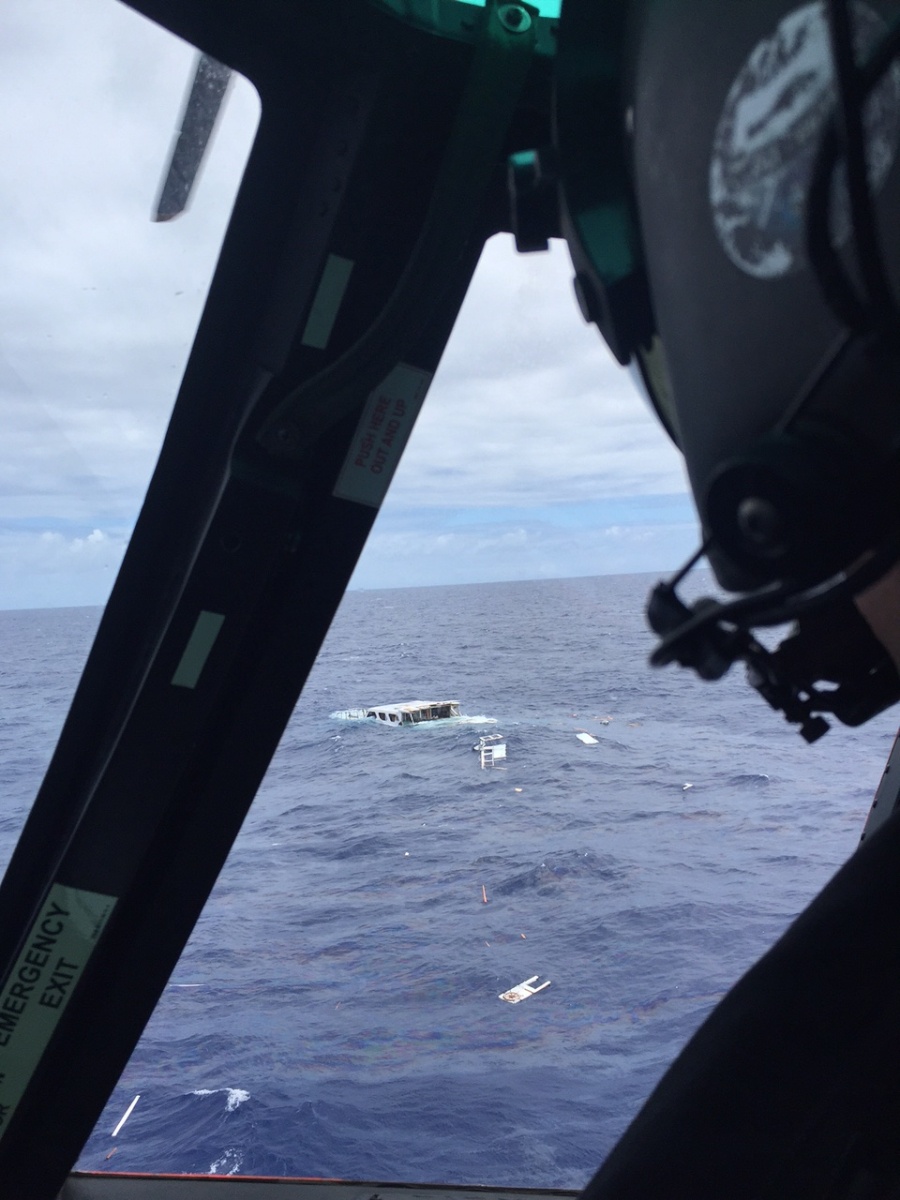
[337,1010]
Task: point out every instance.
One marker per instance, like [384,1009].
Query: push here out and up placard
[381,435]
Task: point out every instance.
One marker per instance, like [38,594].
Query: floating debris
[484,894]
[128,1111]
[490,747]
[587,738]
[523,990]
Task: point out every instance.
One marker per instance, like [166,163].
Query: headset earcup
[799,505]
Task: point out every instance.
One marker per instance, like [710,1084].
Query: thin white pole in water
[128,1111]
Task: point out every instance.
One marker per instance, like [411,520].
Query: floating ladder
[491,747]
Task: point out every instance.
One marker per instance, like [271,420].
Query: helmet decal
[767,136]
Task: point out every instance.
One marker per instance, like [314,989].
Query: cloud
[99,304]
[534,455]
[39,568]
[528,412]
[408,548]
[528,404]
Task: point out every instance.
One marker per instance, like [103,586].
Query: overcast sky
[533,457]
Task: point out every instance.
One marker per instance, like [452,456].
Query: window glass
[100,304]
[423,962]
[99,307]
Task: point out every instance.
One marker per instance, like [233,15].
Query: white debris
[490,747]
[128,1111]
[587,738]
[523,990]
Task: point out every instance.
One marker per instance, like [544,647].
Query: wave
[554,869]
[234,1097]
[228,1163]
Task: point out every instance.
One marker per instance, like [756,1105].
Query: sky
[534,455]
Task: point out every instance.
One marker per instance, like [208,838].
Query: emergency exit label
[381,435]
[41,983]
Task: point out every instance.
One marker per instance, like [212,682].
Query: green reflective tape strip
[327,303]
[198,648]
[41,983]
[499,70]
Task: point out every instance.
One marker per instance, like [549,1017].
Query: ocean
[336,1012]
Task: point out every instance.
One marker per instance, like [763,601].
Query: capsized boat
[413,712]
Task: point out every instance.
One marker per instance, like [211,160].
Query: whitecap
[230,1162]
[234,1096]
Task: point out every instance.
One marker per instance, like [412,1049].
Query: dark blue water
[336,1012]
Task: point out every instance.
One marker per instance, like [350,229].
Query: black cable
[839,291]
[691,563]
[711,615]
[844,584]
[849,122]
[823,369]
[775,605]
